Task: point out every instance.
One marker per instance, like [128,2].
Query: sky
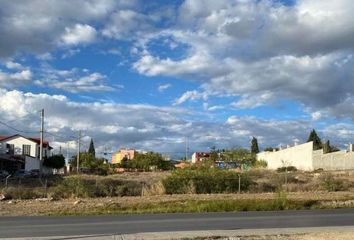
[152,75]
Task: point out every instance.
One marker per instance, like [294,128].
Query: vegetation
[189,206]
[55,161]
[254,146]
[205,180]
[147,162]
[92,149]
[271,149]
[287,169]
[90,164]
[317,144]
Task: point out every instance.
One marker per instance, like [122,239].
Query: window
[10,148]
[26,150]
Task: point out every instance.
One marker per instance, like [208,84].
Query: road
[127,224]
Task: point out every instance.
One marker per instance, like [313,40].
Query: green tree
[254,146]
[240,156]
[317,144]
[213,154]
[326,147]
[148,161]
[92,148]
[55,161]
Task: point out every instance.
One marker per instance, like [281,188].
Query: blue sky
[151,75]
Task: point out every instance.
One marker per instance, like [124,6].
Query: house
[117,157]
[304,157]
[200,157]
[26,148]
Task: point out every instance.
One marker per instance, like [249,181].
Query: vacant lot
[146,193]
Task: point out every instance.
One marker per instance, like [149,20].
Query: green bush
[289,169]
[330,184]
[202,180]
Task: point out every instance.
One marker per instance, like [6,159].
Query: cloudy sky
[150,74]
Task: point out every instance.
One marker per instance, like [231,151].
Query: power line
[15,129]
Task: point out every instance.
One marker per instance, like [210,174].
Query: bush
[79,186]
[289,169]
[330,184]
[210,180]
[260,164]
[23,193]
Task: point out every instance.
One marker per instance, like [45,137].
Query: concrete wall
[299,156]
[333,161]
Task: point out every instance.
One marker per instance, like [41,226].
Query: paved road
[127,224]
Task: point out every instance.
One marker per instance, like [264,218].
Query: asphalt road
[128,224]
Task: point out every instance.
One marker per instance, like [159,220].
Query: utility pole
[186,149]
[41,142]
[78,154]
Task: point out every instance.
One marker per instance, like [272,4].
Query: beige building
[304,157]
[121,154]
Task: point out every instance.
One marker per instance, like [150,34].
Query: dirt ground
[44,206]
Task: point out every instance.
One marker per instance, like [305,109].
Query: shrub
[289,169]
[23,193]
[330,184]
[260,164]
[79,186]
[210,180]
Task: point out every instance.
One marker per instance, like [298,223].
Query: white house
[27,147]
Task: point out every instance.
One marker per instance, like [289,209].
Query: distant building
[123,153]
[200,157]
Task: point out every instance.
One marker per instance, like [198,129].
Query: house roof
[36,140]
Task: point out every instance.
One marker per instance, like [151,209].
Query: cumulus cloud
[37,26]
[148,127]
[16,78]
[251,50]
[79,34]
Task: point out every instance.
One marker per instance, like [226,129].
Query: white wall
[333,161]
[19,141]
[299,156]
[31,163]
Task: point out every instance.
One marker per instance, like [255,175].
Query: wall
[31,163]
[19,141]
[299,156]
[333,161]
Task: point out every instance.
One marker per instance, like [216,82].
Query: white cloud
[190,95]
[164,87]
[13,79]
[149,127]
[74,80]
[79,34]
[13,65]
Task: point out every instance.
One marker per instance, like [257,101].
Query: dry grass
[36,207]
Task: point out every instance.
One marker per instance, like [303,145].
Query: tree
[254,146]
[55,161]
[326,147]
[92,148]
[317,144]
